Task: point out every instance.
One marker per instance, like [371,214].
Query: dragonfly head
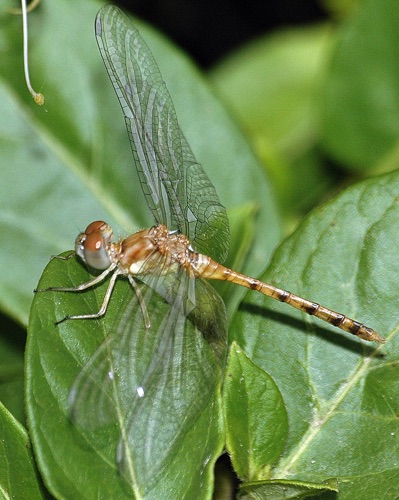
[93,245]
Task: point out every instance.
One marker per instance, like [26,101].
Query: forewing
[176,188]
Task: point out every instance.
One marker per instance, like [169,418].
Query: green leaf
[361,116]
[69,162]
[256,419]
[340,9]
[341,394]
[276,490]
[12,346]
[18,475]
[65,452]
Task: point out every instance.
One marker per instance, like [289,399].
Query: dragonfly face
[93,245]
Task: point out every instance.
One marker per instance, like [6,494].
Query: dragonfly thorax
[136,251]
[156,249]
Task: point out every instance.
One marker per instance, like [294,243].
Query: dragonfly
[189,218]
[176,258]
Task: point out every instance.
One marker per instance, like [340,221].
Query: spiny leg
[141,301]
[83,286]
[104,305]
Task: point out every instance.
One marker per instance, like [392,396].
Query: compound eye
[92,245]
[95,226]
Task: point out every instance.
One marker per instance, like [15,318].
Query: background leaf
[18,474]
[12,343]
[273,86]
[361,97]
[256,417]
[295,490]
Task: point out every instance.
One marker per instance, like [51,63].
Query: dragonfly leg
[63,257]
[104,305]
[83,286]
[141,301]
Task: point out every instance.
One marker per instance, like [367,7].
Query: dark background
[210,29]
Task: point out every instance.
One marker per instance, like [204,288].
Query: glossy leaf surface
[294,490]
[341,394]
[256,417]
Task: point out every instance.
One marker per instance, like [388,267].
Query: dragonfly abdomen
[209,269]
[334,318]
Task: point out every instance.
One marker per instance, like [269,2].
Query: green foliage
[18,475]
[273,85]
[280,489]
[361,111]
[337,391]
[311,94]
[305,410]
[253,406]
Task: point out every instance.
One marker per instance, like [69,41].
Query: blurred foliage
[319,103]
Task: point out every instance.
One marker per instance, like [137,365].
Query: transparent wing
[154,383]
[98,396]
[177,388]
[176,188]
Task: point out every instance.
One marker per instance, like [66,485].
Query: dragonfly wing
[206,224]
[179,387]
[176,188]
[200,302]
[153,383]
[98,395]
